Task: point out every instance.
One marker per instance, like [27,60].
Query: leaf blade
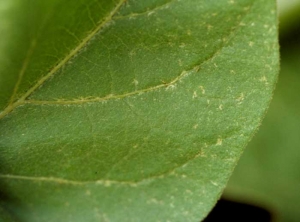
[189,130]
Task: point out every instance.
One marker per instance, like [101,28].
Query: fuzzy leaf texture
[273,155]
[128,110]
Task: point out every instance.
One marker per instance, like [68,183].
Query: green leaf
[5,216]
[268,172]
[129,110]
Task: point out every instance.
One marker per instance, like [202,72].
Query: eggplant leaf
[129,110]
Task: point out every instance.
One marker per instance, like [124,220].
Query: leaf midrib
[72,53]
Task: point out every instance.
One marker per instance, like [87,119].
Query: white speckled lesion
[148,12]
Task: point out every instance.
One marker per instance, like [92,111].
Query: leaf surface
[129,110]
[268,172]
